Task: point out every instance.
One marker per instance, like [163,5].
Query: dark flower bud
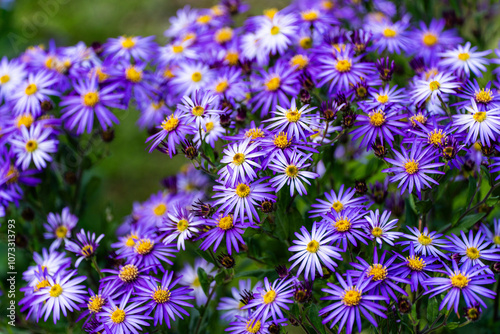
[385,69]
[328,110]
[451,19]
[225,104]
[496,267]
[348,119]
[246,67]
[232,6]
[28,214]
[170,183]
[343,103]
[361,90]
[468,165]
[246,297]
[294,322]
[226,260]
[360,39]
[379,149]
[70,177]
[274,328]
[305,97]
[488,150]
[360,186]
[225,120]
[46,105]
[303,292]
[455,257]
[21,240]
[404,305]
[241,115]
[97,47]
[267,206]
[282,271]
[108,135]
[189,149]
[396,204]
[201,209]
[472,313]
[379,192]
[306,81]
[417,64]
[449,148]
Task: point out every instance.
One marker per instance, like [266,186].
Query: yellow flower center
[496,239]
[177,48]
[310,15]
[31,145]
[463,56]
[411,166]
[281,140]
[433,85]
[292,171]
[473,253]
[61,232]
[161,296]
[305,42]
[269,297]
[484,96]
[144,246]
[196,77]
[429,39]
[352,297]
[95,304]
[479,116]
[12,175]
[477,146]
[389,33]
[242,190]
[87,250]
[209,126]
[270,12]
[337,206]
[133,74]
[293,115]
[222,86]
[238,159]
[25,120]
[459,280]
[42,284]
[382,98]
[225,223]
[182,225]
[275,30]
[196,282]
[170,124]
[198,111]
[377,118]
[131,240]
[223,35]
[128,273]
[424,239]
[118,316]
[377,232]
[55,290]
[343,65]
[4,79]
[415,263]
[232,58]
[343,224]
[90,99]
[312,246]
[31,89]
[204,19]
[253,326]
[436,137]
[378,272]
[418,118]
[101,75]
[254,133]
[128,43]
[273,84]
[160,209]
[299,61]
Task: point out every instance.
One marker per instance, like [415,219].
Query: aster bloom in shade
[411,168]
[380,271]
[34,144]
[232,306]
[130,47]
[473,249]
[493,237]
[416,266]
[270,299]
[347,225]
[292,171]
[482,125]
[240,162]
[464,280]
[27,96]
[87,100]
[174,129]
[59,227]
[379,227]
[242,199]
[337,202]
[189,277]
[223,226]
[51,261]
[275,35]
[428,41]
[162,299]
[313,249]
[62,294]
[85,246]
[293,121]
[181,225]
[434,87]
[464,59]
[122,318]
[390,36]
[348,300]
[425,242]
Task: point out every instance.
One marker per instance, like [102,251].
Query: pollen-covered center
[382,98]
[337,206]
[254,133]
[196,76]
[463,56]
[424,239]
[31,145]
[411,166]
[429,39]
[170,124]
[128,43]
[128,273]
[484,96]
[87,250]
[310,15]
[182,225]
[436,137]
[269,297]
[242,190]
[61,232]
[25,120]
[281,140]
[292,171]
[293,116]
[222,86]
[343,65]
[378,271]
[389,33]
[352,297]
[198,111]
[4,79]
[300,61]
[160,209]
[90,99]
[55,290]
[473,253]
[95,304]
[226,223]
[343,224]
[312,246]
[415,263]
[238,159]
[479,116]
[253,326]
[161,296]
[434,85]
[377,232]
[133,74]
[273,84]
[144,246]
[118,316]
[418,118]
[31,89]
[459,280]
[377,118]
[275,30]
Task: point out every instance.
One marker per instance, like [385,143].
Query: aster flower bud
[328,110]
[189,149]
[225,104]
[28,214]
[304,96]
[225,120]
[306,81]
[170,183]
[246,66]
[303,292]
[97,47]
[472,313]
[417,64]
[496,267]
[226,260]
[348,119]
[360,40]
[267,206]
[201,209]
[360,186]
[404,305]
[274,328]
[246,297]
[361,89]
[468,165]
[241,115]
[379,149]
[396,204]
[488,150]
[282,271]
[46,105]
[449,148]
[379,192]
[455,257]
[385,69]
[108,135]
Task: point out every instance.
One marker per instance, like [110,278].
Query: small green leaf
[315,319]
[423,206]
[432,310]
[492,201]
[220,277]
[470,220]
[472,189]
[205,255]
[203,277]
[452,325]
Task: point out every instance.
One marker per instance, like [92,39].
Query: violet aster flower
[349,300]
[220,227]
[59,227]
[312,248]
[251,325]
[232,306]
[125,279]
[130,47]
[51,261]
[34,145]
[434,87]
[151,252]
[163,299]
[337,202]
[486,98]
[189,277]
[464,280]
[493,237]
[197,107]
[411,168]
[428,41]
[174,129]
[270,299]
[240,159]
[426,243]
[12,73]
[347,225]
[482,125]
[85,246]
[181,224]
[379,227]
[464,59]
[90,99]
[390,36]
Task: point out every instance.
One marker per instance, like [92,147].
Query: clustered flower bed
[322,196]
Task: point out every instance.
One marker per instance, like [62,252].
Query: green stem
[96,267]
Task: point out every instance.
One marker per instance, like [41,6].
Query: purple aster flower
[429,41]
[163,299]
[150,252]
[272,143]
[379,227]
[228,84]
[426,243]
[122,318]
[34,145]
[486,98]
[85,246]
[240,162]
[232,306]
[473,250]
[464,280]
[493,237]
[434,87]
[241,199]
[347,225]
[312,248]
[382,273]
[174,129]
[276,34]
[12,73]
[391,36]
[270,299]
[51,261]
[387,96]
[338,203]
[464,59]
[292,171]
[93,306]
[90,98]
[495,166]
[411,168]
[197,107]
[189,277]
[348,300]
[251,325]
[190,77]
[482,125]
[220,227]
[125,279]
[181,224]
[130,47]
[59,227]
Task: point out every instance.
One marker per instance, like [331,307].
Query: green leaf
[220,277]
[432,310]
[423,206]
[452,325]
[295,311]
[205,255]
[203,277]
[492,201]
[469,220]
[269,273]
[472,189]
[315,319]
